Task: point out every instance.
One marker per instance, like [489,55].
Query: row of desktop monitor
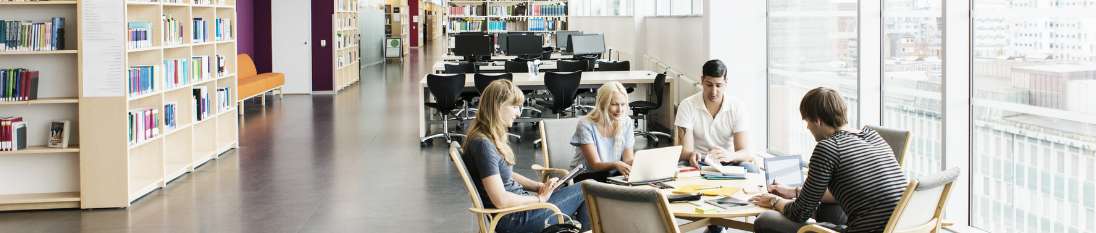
[526,44]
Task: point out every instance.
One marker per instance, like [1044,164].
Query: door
[292,50]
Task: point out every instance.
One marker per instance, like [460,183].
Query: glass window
[913,78]
[811,43]
[1034,69]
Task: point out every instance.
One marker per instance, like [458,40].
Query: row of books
[13,134]
[346,39]
[346,22]
[540,24]
[18,84]
[220,65]
[139,34]
[346,5]
[466,10]
[200,31]
[143,124]
[170,109]
[201,103]
[22,35]
[209,2]
[347,57]
[142,79]
[173,31]
[224,99]
[222,29]
[183,71]
[548,10]
[464,25]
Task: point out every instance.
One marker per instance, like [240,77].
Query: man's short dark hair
[714,68]
[826,105]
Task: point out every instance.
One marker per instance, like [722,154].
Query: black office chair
[571,66]
[516,67]
[446,90]
[614,66]
[563,86]
[642,108]
[460,68]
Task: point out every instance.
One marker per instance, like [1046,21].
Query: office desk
[642,79]
[554,56]
[733,218]
[547,65]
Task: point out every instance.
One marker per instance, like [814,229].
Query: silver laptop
[786,170]
[651,166]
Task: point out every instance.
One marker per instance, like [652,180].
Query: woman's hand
[546,189]
[622,167]
[765,200]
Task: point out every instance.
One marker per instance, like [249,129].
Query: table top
[594,77]
[753,184]
[496,66]
[450,57]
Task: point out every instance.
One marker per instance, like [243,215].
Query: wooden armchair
[555,147]
[488,219]
[920,210]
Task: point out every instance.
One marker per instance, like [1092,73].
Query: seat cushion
[250,88]
[245,67]
[272,80]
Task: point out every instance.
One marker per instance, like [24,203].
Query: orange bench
[249,83]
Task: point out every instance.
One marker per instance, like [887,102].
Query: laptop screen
[785,170]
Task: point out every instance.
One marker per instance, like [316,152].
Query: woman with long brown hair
[490,162]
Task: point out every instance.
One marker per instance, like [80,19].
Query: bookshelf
[190,51]
[396,23]
[41,177]
[347,37]
[503,16]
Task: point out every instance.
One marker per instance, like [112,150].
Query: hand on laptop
[784,191]
[623,167]
[546,189]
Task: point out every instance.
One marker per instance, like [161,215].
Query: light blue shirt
[608,149]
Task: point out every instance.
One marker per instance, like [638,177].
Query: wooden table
[733,218]
[589,79]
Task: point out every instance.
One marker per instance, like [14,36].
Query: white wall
[737,36]
[620,33]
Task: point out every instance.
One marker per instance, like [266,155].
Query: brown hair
[499,96]
[825,105]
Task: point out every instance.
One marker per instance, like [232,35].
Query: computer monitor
[562,37]
[524,45]
[471,45]
[588,44]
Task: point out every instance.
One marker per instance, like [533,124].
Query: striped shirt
[863,175]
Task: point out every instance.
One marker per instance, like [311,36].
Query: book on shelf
[176,73]
[201,103]
[511,10]
[18,84]
[224,99]
[200,32]
[169,116]
[142,79]
[173,30]
[24,35]
[58,134]
[13,133]
[557,9]
[201,67]
[466,10]
[222,29]
[144,124]
[220,65]
[140,34]
[209,2]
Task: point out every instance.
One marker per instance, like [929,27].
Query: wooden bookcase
[501,16]
[40,177]
[397,23]
[346,36]
[117,172]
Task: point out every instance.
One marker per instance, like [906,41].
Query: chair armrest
[547,170]
[815,228]
[519,208]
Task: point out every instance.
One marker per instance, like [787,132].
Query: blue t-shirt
[608,148]
[484,160]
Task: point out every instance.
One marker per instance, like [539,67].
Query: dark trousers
[828,215]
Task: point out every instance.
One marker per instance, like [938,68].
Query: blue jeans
[568,199]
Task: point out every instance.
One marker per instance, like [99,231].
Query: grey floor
[322,163]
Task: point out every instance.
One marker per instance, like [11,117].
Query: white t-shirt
[708,132]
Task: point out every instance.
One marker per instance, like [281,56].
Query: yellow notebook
[706,190]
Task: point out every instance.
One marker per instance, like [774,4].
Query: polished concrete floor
[321,163]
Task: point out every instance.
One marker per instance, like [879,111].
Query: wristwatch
[773,201]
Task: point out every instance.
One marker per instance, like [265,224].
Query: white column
[957,81]
[870,56]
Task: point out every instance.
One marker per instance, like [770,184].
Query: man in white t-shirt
[711,124]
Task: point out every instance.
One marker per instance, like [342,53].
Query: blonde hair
[499,96]
[600,115]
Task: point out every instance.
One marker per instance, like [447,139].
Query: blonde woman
[605,137]
[490,161]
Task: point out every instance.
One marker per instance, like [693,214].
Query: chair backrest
[482,80]
[458,163]
[245,67]
[614,66]
[555,144]
[446,90]
[562,86]
[898,139]
[516,67]
[659,89]
[570,66]
[921,208]
[460,68]
[615,208]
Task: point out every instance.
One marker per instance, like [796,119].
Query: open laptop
[651,166]
[786,170]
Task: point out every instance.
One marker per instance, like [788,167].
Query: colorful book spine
[144,124]
[224,99]
[18,84]
[222,29]
[201,30]
[22,35]
[142,79]
[169,116]
[140,35]
[13,134]
[176,73]
[173,30]
[201,103]
[200,68]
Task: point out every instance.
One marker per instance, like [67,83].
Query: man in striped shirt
[857,169]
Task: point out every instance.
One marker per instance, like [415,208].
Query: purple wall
[253,35]
[322,56]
